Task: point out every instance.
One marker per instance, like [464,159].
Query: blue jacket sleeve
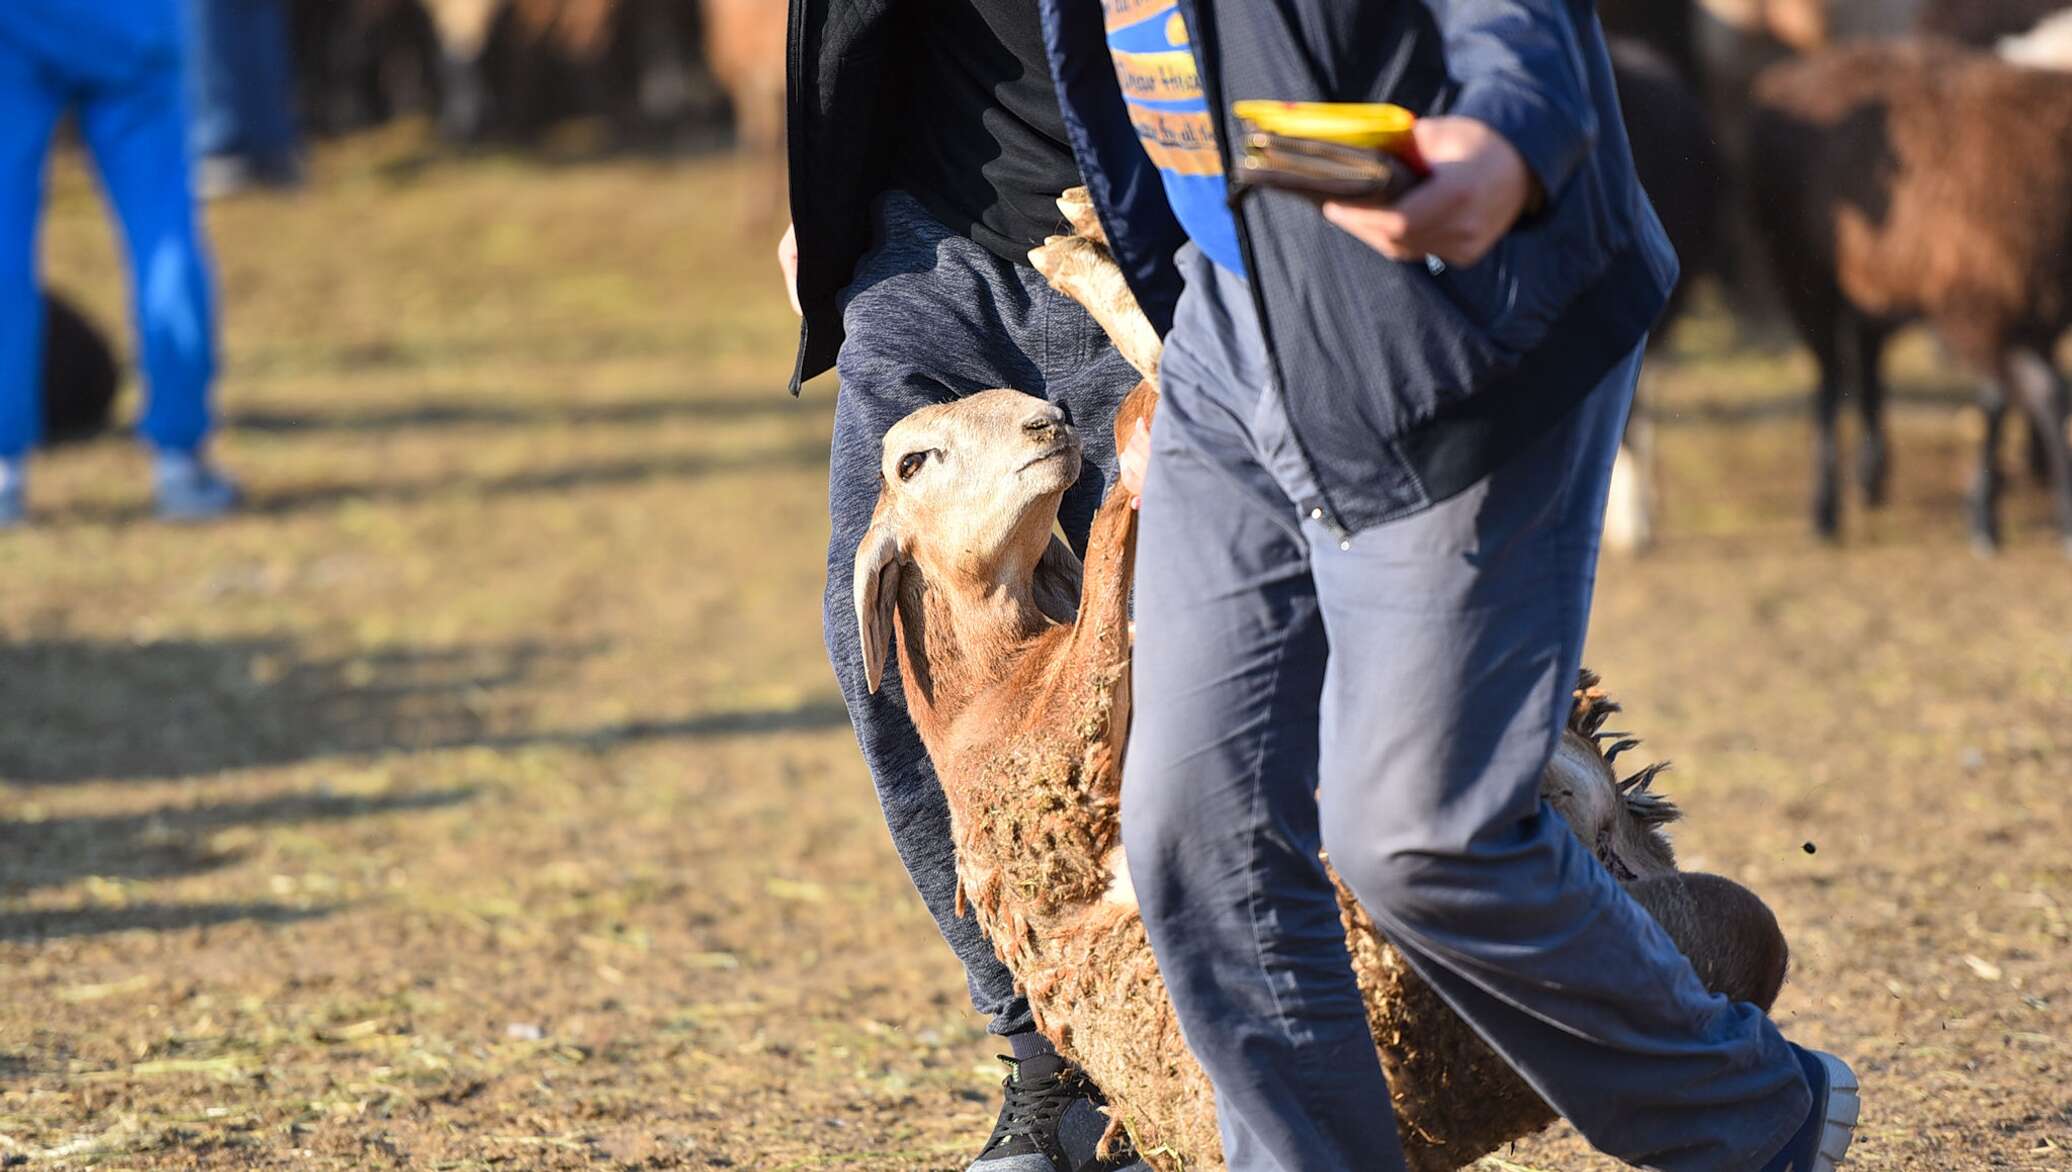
[1519,65]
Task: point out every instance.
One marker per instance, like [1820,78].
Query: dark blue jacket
[1403,385]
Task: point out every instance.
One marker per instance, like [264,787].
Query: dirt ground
[481,797]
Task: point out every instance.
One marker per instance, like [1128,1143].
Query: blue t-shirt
[1154,61]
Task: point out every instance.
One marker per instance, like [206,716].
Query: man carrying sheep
[927,153]
[1375,485]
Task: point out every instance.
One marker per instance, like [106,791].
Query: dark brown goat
[1669,27]
[1910,180]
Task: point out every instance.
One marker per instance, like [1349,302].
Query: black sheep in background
[80,376]
[1675,156]
[1669,27]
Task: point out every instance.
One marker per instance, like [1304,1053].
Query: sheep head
[968,498]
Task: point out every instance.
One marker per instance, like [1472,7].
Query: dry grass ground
[480,798]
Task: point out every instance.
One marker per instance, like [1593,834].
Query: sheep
[1920,180]
[361,62]
[80,377]
[509,66]
[1015,659]
[1668,27]
[745,43]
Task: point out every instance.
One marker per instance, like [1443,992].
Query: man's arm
[1519,64]
[1522,124]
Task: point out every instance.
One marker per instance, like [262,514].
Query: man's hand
[1136,461]
[1478,188]
[788,264]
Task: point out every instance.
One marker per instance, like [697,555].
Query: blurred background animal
[1912,180]
[80,375]
[1679,166]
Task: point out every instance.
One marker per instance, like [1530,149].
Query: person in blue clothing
[116,65]
[1371,502]
[241,99]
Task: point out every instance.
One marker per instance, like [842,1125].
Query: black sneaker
[1051,1121]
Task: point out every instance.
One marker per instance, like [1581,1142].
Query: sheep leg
[1101,633]
[1827,402]
[2039,457]
[1982,504]
[2043,396]
[1870,405]
[1083,270]
[465,111]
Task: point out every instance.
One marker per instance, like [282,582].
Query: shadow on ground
[419,416]
[75,710]
[58,923]
[550,479]
[1755,409]
[173,842]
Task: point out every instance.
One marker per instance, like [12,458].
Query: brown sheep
[1016,666]
[1917,180]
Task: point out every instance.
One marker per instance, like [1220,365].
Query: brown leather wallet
[1324,170]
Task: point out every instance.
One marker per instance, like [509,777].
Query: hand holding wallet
[1326,150]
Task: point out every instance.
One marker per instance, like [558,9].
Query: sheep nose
[1045,423]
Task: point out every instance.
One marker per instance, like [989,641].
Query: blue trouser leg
[137,136]
[1439,650]
[931,316]
[239,79]
[29,108]
[210,80]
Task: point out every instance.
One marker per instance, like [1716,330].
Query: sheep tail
[1593,708]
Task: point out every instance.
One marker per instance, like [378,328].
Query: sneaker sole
[1844,1103]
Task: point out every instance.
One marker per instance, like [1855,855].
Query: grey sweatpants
[930,316]
[1394,703]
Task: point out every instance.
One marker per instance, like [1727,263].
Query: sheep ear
[877,593]
[1058,578]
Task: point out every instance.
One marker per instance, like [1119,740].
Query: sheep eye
[911,463]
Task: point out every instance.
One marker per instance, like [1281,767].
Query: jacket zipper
[1323,512]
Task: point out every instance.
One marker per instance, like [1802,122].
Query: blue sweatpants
[1394,702]
[931,316]
[240,81]
[133,122]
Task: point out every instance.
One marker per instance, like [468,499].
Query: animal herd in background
[1889,161]
[508,69]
